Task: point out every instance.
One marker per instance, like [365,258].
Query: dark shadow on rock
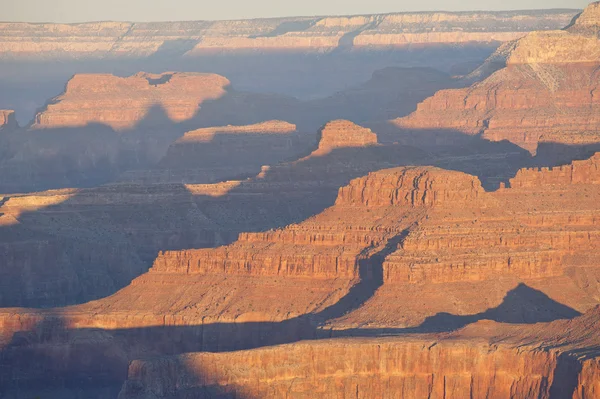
[566,376]
[370,271]
[53,358]
[289,26]
[173,49]
[95,242]
[521,305]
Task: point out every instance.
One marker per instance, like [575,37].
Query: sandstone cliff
[118,39]
[555,360]
[401,250]
[545,94]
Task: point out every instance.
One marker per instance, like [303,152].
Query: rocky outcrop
[545,94]
[588,22]
[401,250]
[122,103]
[518,241]
[118,39]
[410,187]
[340,134]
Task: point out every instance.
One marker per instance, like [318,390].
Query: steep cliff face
[116,39]
[122,103]
[402,250]
[546,94]
[7,120]
[484,360]
[358,368]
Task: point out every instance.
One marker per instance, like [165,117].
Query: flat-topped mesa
[342,133]
[578,172]
[421,186]
[7,119]
[122,103]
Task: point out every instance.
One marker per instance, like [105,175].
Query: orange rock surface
[545,94]
[486,360]
[122,103]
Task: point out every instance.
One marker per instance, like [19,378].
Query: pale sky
[179,10]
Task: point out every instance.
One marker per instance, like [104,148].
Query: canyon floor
[377,206]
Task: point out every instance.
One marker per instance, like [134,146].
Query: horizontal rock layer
[484,360]
[116,39]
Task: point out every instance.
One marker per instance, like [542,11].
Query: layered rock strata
[553,360]
[118,39]
[545,94]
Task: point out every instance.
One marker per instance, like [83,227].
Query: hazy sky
[165,10]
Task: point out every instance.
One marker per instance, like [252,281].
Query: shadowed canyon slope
[384,259]
[485,360]
[366,207]
[546,93]
[105,128]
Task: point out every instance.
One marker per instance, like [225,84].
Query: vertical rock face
[492,360]
[404,249]
[7,120]
[545,94]
[122,103]
[410,187]
[546,223]
[409,368]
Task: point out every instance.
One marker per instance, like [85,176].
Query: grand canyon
[401,205]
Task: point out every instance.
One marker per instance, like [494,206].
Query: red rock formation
[485,360]
[545,94]
[340,134]
[455,251]
[122,103]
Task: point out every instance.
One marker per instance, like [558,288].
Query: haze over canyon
[401,205]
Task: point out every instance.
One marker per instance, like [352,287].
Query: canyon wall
[118,39]
[484,360]
[386,368]
[545,94]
